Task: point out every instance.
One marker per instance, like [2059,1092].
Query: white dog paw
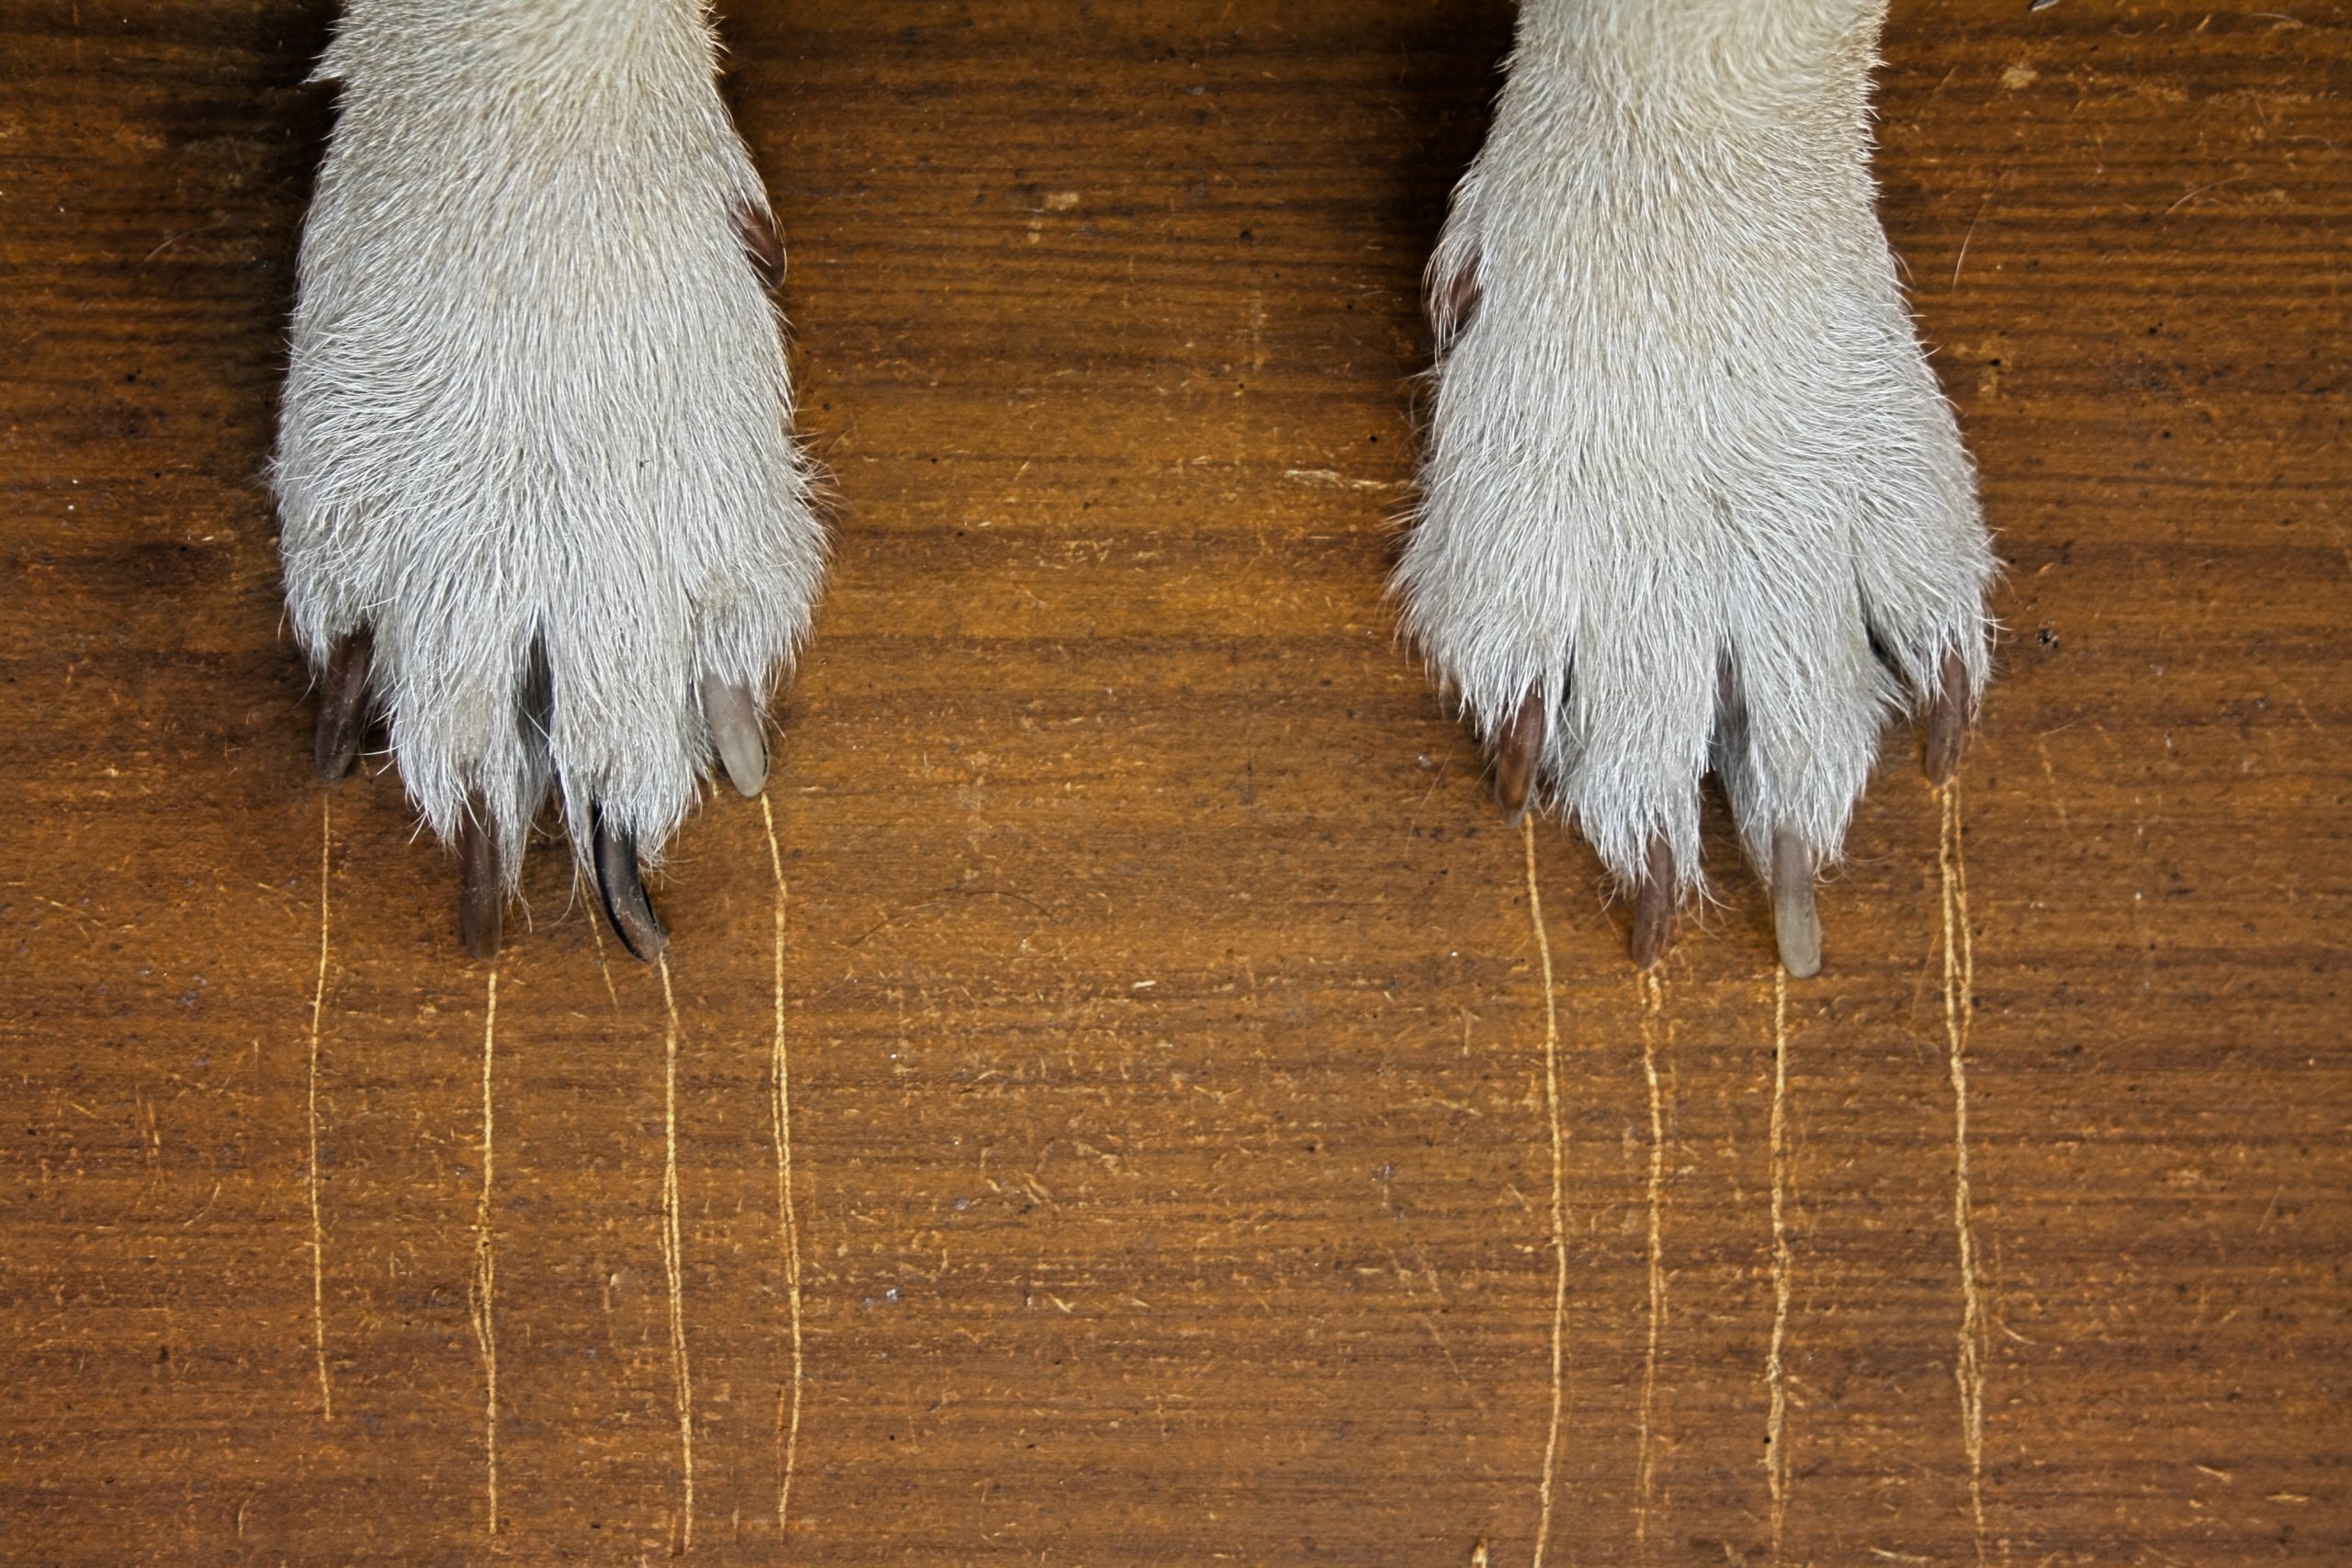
[1690,496]
[538,498]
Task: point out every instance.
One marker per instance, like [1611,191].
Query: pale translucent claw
[1517,749]
[1796,922]
[1654,906]
[734,722]
[1948,721]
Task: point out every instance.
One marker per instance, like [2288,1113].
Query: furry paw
[1690,496]
[537,494]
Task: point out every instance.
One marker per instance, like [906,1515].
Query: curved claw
[735,730]
[1654,906]
[1948,720]
[1451,301]
[343,704]
[1517,749]
[480,886]
[762,246]
[1796,922]
[626,905]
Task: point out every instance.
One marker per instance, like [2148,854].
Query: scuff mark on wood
[788,1396]
[1559,1194]
[672,1265]
[1653,993]
[486,1262]
[310,1099]
[1776,1419]
[1959,1014]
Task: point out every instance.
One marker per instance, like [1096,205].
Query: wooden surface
[1171,1165]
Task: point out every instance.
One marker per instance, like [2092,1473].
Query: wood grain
[1165,1027]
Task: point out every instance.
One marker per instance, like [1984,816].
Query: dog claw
[343,704]
[623,891]
[480,886]
[1517,749]
[735,730]
[762,246]
[1654,906]
[1450,301]
[1796,922]
[1948,721]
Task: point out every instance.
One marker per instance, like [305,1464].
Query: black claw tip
[343,705]
[623,890]
[481,885]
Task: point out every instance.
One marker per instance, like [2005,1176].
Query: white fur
[1685,455]
[538,392]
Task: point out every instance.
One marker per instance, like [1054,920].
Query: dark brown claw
[623,890]
[1796,922]
[1948,720]
[734,723]
[762,243]
[1451,302]
[343,705]
[481,887]
[1517,751]
[1654,906]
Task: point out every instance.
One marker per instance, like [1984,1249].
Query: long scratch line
[310,1095]
[788,1427]
[604,971]
[672,1251]
[486,1262]
[1960,1016]
[1559,1191]
[1645,1462]
[1776,1446]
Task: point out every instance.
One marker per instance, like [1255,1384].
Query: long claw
[762,243]
[1517,749]
[1654,906]
[1796,923]
[1948,720]
[623,890]
[343,704]
[735,731]
[481,888]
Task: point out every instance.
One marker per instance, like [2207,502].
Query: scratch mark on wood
[603,972]
[671,1252]
[789,1398]
[311,1096]
[1959,1015]
[1559,1194]
[485,1262]
[1775,1446]
[1961,259]
[1646,1462]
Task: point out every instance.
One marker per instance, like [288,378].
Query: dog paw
[538,500]
[1690,498]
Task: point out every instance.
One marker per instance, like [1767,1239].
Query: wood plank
[1172,1163]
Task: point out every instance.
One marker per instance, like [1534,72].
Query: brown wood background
[1172,1167]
